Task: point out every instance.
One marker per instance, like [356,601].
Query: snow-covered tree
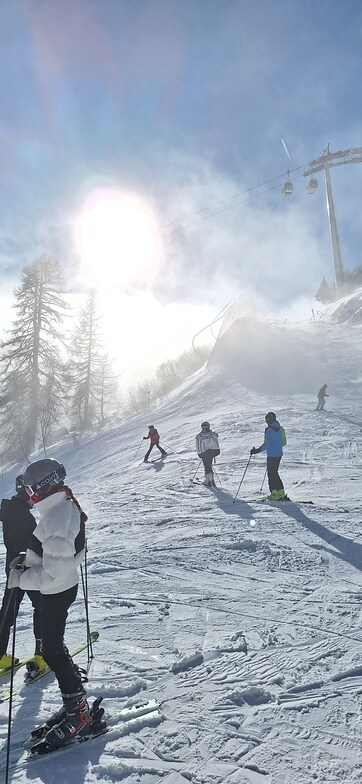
[31,368]
[108,388]
[325,292]
[138,398]
[92,379]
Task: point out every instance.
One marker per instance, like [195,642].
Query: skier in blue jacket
[274,439]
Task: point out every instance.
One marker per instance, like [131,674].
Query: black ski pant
[9,609]
[150,450]
[272,465]
[53,613]
[207,458]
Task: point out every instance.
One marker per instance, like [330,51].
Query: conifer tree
[108,387]
[92,380]
[30,358]
[325,292]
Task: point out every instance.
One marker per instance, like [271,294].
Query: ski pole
[11,684]
[262,484]
[241,480]
[196,471]
[138,450]
[6,609]
[218,478]
[84,576]
[171,451]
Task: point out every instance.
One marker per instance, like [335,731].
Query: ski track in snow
[242,620]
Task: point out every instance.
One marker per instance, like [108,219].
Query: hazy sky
[183,104]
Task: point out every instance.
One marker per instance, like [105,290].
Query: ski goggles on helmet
[40,489]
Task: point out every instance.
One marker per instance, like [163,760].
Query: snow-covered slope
[242,619]
[347,310]
[281,357]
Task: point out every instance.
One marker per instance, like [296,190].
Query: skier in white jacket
[55,550]
[207,447]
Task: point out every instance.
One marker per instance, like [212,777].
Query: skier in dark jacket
[154,441]
[322,394]
[18,526]
[274,439]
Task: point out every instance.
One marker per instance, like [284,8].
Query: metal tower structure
[327,161]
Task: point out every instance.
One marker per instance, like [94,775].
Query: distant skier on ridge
[207,447]
[274,440]
[154,441]
[322,394]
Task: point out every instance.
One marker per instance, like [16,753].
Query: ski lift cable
[219,316]
[180,221]
[229,207]
[234,196]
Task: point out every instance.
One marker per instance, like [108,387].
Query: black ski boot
[40,732]
[74,724]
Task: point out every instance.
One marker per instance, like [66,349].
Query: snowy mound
[286,358]
[346,310]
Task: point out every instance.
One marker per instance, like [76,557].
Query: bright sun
[117,239]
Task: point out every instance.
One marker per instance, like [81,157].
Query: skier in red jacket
[154,441]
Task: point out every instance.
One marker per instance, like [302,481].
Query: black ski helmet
[205,425]
[42,477]
[19,483]
[270,417]
[19,487]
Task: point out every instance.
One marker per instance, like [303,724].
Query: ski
[26,756]
[132,713]
[41,750]
[267,501]
[288,501]
[155,460]
[202,484]
[6,694]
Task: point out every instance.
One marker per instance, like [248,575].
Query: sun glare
[117,239]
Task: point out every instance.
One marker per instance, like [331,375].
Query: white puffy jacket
[55,569]
[206,440]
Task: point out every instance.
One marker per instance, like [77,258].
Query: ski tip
[94,636]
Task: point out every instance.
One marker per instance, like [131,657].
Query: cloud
[268,248]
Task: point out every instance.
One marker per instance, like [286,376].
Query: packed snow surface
[241,619]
